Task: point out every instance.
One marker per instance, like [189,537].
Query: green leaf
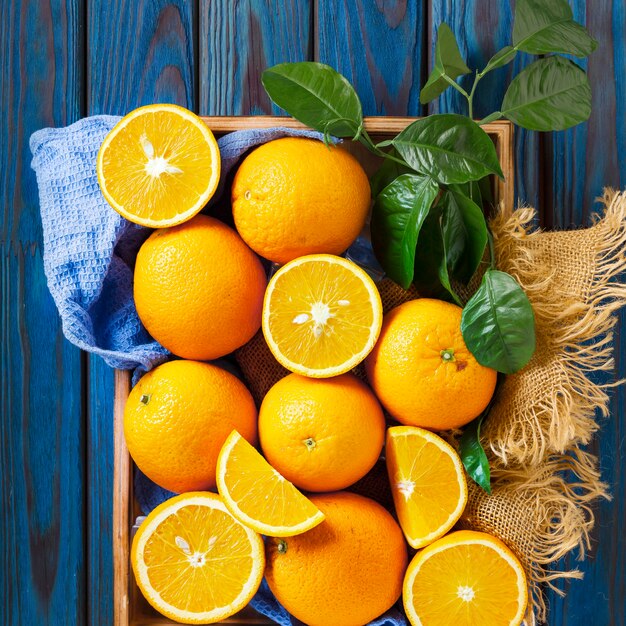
[498,324]
[464,231]
[431,271]
[386,173]
[449,148]
[550,94]
[473,455]
[500,59]
[397,217]
[492,117]
[316,95]
[544,26]
[448,62]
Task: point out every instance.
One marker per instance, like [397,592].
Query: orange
[159,165]
[258,496]
[321,315]
[178,416]
[347,571]
[427,481]
[322,435]
[466,578]
[422,371]
[194,562]
[295,196]
[199,289]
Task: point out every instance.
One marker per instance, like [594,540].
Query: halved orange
[159,165]
[466,578]
[321,315]
[427,482]
[258,496]
[194,562]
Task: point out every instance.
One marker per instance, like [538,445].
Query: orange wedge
[258,496]
[194,562]
[466,578]
[427,482]
[321,315]
[159,165]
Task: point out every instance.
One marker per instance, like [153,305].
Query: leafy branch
[428,225]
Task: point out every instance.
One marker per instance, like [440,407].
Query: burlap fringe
[574,309]
[543,481]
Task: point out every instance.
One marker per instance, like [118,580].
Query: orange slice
[194,562]
[159,165]
[427,482]
[466,578]
[321,315]
[258,496]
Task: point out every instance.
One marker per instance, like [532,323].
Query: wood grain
[378,47]
[238,40]
[482,28]
[139,52]
[42,557]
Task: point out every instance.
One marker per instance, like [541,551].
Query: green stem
[492,254]
[456,85]
[366,140]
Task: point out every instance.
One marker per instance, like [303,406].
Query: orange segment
[466,578]
[427,482]
[321,315]
[258,496]
[194,562]
[159,165]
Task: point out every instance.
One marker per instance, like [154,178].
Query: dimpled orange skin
[321,434]
[199,289]
[347,571]
[412,378]
[188,410]
[296,196]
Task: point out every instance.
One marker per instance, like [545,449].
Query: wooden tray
[129,606]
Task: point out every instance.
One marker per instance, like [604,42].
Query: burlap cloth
[543,480]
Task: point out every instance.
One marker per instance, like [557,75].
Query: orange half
[159,165]
[466,578]
[322,315]
[194,562]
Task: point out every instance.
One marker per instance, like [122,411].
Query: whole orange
[322,434]
[199,289]
[178,416]
[296,196]
[347,571]
[422,371]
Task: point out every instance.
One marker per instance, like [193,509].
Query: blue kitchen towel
[149,496]
[89,249]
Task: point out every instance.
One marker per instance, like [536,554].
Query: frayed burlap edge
[540,473]
[577,334]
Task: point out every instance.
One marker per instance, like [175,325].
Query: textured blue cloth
[89,249]
[89,254]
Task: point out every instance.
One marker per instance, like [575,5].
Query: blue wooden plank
[482,28]
[591,156]
[237,41]
[41,432]
[146,53]
[379,47]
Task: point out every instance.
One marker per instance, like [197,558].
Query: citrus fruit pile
[283,469]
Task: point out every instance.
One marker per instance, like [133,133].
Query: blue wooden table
[65,59]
